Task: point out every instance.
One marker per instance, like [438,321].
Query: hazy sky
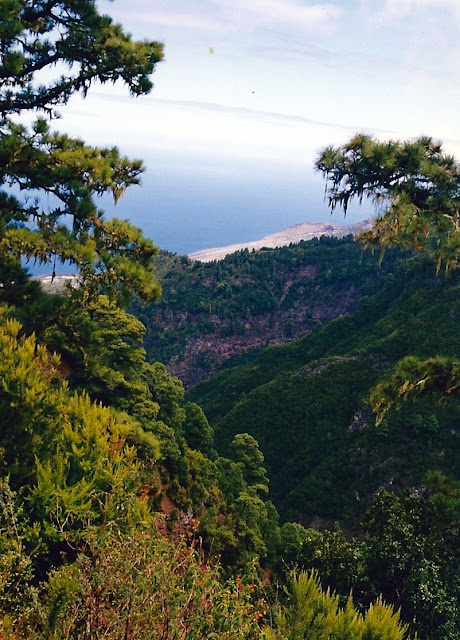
[250,90]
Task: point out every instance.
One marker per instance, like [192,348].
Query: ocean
[187,209]
[189,206]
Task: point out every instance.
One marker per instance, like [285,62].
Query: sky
[251,90]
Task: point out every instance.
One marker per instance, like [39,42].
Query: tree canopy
[47,204]
[415,188]
[105,470]
[414,185]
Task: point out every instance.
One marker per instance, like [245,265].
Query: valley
[211,313]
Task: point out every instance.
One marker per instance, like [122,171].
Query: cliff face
[206,354]
[212,312]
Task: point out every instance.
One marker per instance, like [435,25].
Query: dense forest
[211,313]
[308,402]
[309,490]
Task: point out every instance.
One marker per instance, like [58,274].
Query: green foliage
[71,459]
[138,585]
[414,555]
[312,614]
[197,430]
[61,175]
[409,555]
[18,597]
[202,482]
[102,346]
[76,452]
[82,464]
[307,405]
[251,529]
[415,181]
[340,562]
[251,514]
[413,378]
[31,401]
[416,186]
[93,477]
[86,471]
[168,392]
[248,300]
[104,53]
[245,451]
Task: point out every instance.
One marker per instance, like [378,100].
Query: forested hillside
[120,515]
[308,402]
[358,420]
[212,312]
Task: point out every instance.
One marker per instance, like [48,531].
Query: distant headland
[294,234]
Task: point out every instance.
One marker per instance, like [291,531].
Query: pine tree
[61,175]
[313,614]
[414,185]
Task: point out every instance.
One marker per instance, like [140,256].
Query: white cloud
[424,33]
[315,18]
[254,114]
[230,15]
[398,9]
[276,62]
[179,20]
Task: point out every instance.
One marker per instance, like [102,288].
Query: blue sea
[185,205]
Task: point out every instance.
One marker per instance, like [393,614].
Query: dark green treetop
[415,378]
[414,185]
[58,220]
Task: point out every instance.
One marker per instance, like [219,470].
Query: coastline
[294,234]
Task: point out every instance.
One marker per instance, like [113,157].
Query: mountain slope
[306,402]
[211,312]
